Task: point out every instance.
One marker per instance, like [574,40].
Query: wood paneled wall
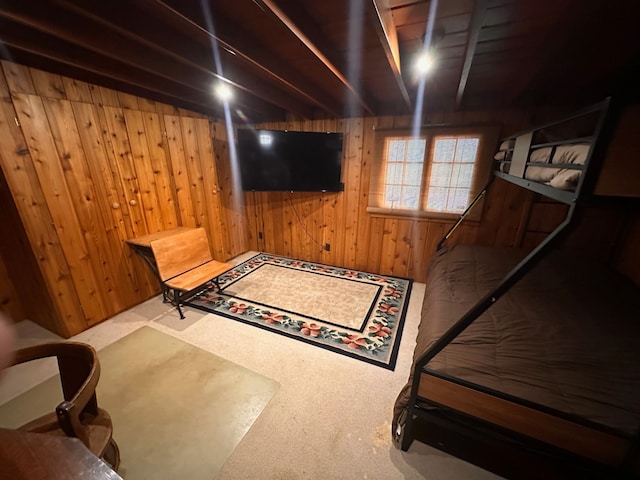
[10,302]
[83,168]
[87,168]
[300,224]
[22,288]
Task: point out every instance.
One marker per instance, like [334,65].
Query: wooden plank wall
[89,167]
[86,167]
[18,267]
[300,224]
[10,302]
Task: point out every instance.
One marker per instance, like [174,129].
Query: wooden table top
[145,240]
[38,456]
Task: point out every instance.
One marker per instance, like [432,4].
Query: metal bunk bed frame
[605,125]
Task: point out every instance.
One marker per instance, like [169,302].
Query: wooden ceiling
[333,58]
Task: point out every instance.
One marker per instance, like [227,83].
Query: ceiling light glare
[425,63]
[224,92]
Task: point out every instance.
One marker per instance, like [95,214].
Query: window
[435,174]
[452,166]
[404,159]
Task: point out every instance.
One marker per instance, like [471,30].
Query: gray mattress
[566,336]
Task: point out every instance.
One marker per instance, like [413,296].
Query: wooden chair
[78,415]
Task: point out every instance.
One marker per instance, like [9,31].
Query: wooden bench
[184,263]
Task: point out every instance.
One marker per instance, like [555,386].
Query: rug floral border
[377,342]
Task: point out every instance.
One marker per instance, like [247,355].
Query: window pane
[440,175]
[394,174]
[444,149]
[413,174]
[416,150]
[410,197]
[458,198]
[403,172]
[466,150]
[392,196]
[462,175]
[396,150]
[451,173]
[437,198]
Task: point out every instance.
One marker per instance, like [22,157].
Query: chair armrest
[79,374]
[69,420]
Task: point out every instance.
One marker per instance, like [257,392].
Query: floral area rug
[354,313]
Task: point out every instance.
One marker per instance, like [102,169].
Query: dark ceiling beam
[280,15]
[191,54]
[58,51]
[229,37]
[477,19]
[382,19]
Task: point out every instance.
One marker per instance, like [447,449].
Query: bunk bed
[539,349]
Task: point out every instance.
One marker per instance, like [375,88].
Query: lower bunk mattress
[566,336]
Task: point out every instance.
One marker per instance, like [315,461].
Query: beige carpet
[311,295]
[176,408]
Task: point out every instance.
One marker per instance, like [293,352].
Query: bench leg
[176,297]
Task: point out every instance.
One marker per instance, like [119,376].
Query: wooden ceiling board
[504,58]
[410,32]
[454,23]
[519,11]
[456,7]
[514,44]
[453,40]
[412,13]
[534,26]
[403,3]
[450,52]
[500,3]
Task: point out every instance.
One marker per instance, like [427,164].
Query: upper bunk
[590,153]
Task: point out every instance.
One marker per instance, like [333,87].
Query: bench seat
[198,276]
[184,263]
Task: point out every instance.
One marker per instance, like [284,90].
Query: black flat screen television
[272,160]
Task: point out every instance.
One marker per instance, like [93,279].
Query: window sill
[396,212]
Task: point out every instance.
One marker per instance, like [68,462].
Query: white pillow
[540,155]
[576,153]
[540,174]
[566,179]
[502,153]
